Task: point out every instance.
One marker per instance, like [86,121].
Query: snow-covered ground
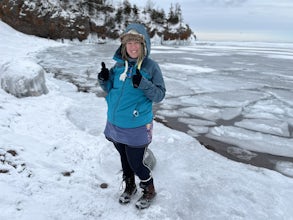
[234,97]
[54,157]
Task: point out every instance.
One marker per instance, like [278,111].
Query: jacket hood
[139,28]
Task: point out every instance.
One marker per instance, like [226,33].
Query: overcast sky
[256,20]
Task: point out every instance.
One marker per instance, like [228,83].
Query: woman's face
[133,49]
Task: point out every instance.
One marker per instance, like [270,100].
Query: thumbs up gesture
[104,74]
[136,79]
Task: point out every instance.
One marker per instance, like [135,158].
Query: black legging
[132,161]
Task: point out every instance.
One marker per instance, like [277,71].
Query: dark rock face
[77,19]
[43,22]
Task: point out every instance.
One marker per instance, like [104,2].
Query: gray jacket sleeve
[154,89]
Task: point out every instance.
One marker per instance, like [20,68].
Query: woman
[132,85]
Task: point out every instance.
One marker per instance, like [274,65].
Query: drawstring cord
[139,64]
[124,74]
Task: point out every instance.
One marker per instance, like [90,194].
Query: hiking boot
[147,197]
[129,191]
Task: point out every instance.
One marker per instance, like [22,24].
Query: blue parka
[130,107]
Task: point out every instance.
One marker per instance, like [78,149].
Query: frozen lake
[235,98]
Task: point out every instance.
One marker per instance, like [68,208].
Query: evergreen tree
[118,16]
[158,16]
[178,12]
[135,13]
[172,17]
[126,7]
[149,5]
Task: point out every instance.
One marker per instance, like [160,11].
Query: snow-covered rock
[23,78]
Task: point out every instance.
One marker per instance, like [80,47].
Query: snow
[249,140]
[54,157]
[20,75]
[270,126]
[23,78]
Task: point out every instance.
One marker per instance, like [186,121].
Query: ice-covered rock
[23,78]
[150,159]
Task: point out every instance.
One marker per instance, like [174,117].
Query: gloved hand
[104,74]
[136,79]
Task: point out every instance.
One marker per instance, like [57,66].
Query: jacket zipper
[118,101]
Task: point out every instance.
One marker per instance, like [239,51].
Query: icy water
[236,99]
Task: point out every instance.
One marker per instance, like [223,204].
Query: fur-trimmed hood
[139,28]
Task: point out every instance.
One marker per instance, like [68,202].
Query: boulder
[149,159]
[23,78]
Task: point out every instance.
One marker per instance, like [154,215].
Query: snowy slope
[55,157]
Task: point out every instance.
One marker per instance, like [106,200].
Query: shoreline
[232,152]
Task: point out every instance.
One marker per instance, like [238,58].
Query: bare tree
[149,5]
